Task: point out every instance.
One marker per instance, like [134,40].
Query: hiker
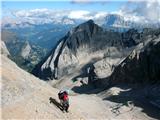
[64,100]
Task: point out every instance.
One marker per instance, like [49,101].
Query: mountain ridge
[87,38]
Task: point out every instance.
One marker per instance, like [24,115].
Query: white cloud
[137,11]
[80,14]
[100,14]
[150,10]
[86,15]
[48,15]
[32,13]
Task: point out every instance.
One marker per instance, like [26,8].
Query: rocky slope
[27,97]
[4,49]
[142,65]
[85,44]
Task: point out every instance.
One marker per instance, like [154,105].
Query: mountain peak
[89,26]
[90,21]
[77,44]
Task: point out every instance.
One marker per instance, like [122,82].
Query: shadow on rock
[137,98]
[57,104]
[87,89]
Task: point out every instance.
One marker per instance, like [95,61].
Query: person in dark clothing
[64,100]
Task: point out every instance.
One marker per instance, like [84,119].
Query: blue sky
[63,5]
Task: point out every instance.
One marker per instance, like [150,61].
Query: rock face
[136,67]
[141,66]
[25,52]
[4,49]
[84,44]
[105,67]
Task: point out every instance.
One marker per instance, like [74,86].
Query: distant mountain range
[42,29]
[26,54]
[44,35]
[46,29]
[31,18]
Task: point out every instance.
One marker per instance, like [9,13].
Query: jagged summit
[82,36]
[82,41]
[88,23]
[88,26]
[86,44]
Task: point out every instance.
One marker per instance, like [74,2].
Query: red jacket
[65,97]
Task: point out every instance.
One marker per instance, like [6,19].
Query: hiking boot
[67,111]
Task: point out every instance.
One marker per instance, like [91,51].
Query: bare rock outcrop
[4,49]
[141,66]
[83,44]
[25,52]
[105,67]
[86,44]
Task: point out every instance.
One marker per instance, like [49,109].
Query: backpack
[65,97]
[60,95]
